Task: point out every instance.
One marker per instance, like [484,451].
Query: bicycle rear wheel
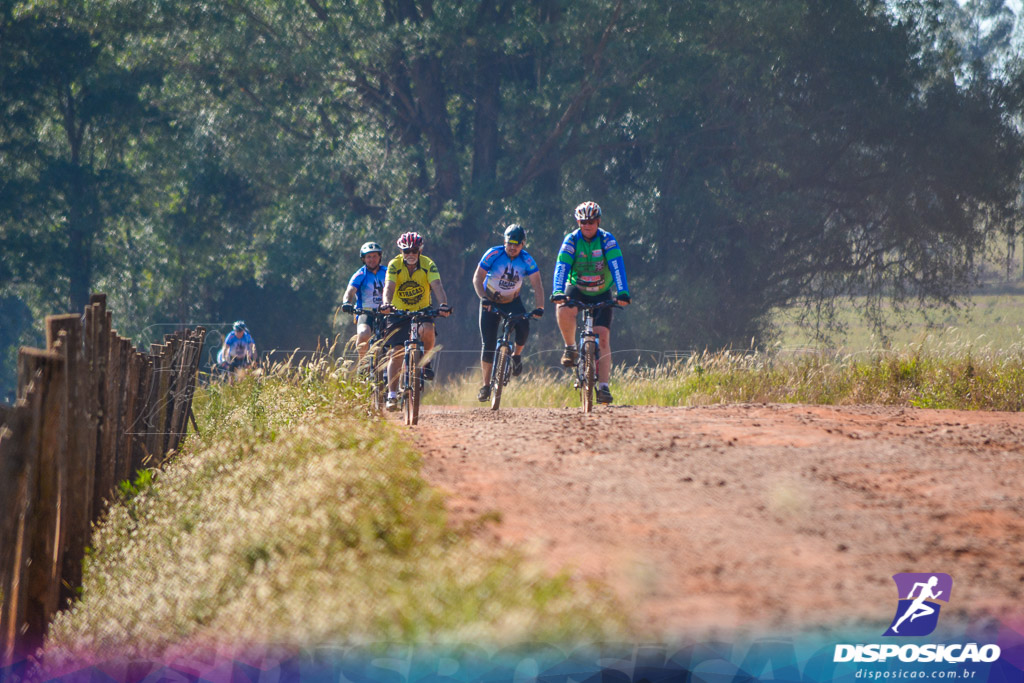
[588,370]
[499,376]
[412,391]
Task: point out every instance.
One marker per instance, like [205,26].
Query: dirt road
[733,519]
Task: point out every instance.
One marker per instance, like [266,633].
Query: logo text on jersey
[410,292]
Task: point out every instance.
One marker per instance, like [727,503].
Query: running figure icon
[918,608]
[918,596]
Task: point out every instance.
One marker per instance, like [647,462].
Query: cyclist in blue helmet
[498,281]
[239,349]
[365,290]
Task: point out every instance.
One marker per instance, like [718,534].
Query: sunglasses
[410,251]
[590,221]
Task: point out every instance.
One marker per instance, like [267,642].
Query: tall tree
[72,113]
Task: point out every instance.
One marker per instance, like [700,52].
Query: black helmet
[239,325]
[514,234]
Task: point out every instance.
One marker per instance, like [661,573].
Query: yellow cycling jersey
[412,291]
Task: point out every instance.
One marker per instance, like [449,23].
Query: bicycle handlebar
[513,317]
[576,303]
[368,311]
[417,316]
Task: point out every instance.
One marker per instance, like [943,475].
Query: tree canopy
[205,161]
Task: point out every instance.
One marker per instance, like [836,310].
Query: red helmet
[410,240]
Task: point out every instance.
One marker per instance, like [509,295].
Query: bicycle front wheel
[499,376]
[588,372]
[413,386]
[379,387]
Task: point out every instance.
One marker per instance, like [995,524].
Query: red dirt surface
[736,518]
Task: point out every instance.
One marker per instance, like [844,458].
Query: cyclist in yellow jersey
[411,279]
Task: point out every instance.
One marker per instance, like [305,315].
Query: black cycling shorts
[603,317]
[396,330]
[489,322]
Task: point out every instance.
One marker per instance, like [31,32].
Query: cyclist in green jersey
[589,265]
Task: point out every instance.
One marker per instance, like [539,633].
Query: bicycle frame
[411,375]
[590,351]
[376,369]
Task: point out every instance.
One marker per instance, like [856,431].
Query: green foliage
[308,525]
[130,489]
[202,161]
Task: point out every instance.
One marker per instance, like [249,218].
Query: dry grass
[941,371]
[298,519]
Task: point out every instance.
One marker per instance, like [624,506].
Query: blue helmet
[239,325]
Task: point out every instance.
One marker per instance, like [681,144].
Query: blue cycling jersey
[504,274]
[238,346]
[369,287]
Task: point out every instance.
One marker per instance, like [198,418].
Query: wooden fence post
[101,340]
[90,412]
[47,543]
[142,409]
[19,458]
[128,378]
[158,403]
[172,357]
[128,414]
[68,329]
[180,416]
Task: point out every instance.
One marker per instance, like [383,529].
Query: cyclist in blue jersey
[365,290]
[498,281]
[239,349]
[589,265]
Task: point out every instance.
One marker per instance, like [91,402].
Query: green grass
[992,315]
[939,372]
[969,358]
[299,519]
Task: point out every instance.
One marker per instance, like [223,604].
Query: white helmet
[587,211]
[369,248]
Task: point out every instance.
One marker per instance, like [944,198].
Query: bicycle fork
[500,371]
[587,335]
[407,368]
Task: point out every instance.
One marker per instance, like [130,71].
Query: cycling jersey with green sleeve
[591,266]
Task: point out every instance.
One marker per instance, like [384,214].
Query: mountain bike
[501,370]
[411,387]
[589,349]
[376,363]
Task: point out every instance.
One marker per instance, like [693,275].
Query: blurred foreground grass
[297,519]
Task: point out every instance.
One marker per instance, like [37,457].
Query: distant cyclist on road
[498,281]
[411,279]
[239,349]
[365,290]
[589,264]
